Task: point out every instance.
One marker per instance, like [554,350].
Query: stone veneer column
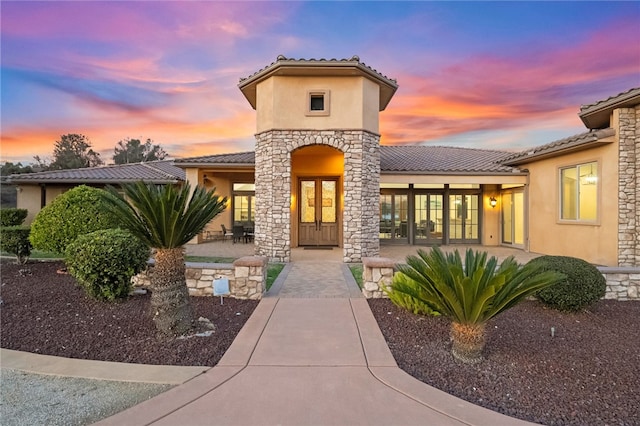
[361,221]
[628,187]
[272,232]
[361,184]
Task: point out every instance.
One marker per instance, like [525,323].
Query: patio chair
[238,233]
[225,233]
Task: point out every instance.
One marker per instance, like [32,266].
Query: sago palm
[166,218]
[468,293]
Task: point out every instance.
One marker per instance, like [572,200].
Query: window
[579,192]
[318,103]
[243,204]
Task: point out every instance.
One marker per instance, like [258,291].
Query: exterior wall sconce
[493,202]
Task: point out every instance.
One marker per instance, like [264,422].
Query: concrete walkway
[299,360]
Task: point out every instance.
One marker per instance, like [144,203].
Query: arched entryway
[317,191]
[277,194]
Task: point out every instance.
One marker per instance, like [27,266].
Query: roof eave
[452,173]
[597,116]
[218,165]
[557,153]
[92,181]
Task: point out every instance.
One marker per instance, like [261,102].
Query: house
[320,177]
[582,198]
[36,190]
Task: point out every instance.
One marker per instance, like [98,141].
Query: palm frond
[164,216]
[471,292]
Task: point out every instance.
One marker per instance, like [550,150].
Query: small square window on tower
[318,102]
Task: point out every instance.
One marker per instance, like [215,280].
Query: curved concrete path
[308,361]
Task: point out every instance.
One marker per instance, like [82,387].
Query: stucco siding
[29,198]
[490,217]
[594,242]
[282,103]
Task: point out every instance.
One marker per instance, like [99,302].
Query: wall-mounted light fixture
[493,201]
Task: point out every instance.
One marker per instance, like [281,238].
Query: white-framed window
[318,102]
[579,192]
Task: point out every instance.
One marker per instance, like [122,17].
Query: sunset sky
[503,75]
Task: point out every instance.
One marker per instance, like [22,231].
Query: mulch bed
[587,374]
[48,313]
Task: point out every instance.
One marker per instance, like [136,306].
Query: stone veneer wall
[628,187]
[247,277]
[361,183]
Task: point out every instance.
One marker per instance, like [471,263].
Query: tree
[73,151]
[8,168]
[41,164]
[166,218]
[469,294]
[134,151]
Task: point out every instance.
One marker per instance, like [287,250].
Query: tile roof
[236,158]
[424,159]
[570,144]
[314,61]
[611,99]
[419,159]
[159,172]
[596,115]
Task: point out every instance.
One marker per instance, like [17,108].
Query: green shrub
[15,240]
[583,286]
[12,216]
[104,261]
[76,212]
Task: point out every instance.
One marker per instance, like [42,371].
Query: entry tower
[317,156]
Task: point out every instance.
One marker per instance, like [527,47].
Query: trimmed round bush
[583,286]
[104,262]
[76,212]
[15,240]
[12,216]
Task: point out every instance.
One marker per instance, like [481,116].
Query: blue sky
[495,75]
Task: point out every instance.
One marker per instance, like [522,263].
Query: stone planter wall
[623,283]
[247,277]
[376,273]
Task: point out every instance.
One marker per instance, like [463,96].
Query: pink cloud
[492,92]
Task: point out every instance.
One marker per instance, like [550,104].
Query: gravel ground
[34,399]
[587,374]
[48,313]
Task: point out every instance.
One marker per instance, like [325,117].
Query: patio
[398,253]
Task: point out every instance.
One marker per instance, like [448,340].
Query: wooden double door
[318,210]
